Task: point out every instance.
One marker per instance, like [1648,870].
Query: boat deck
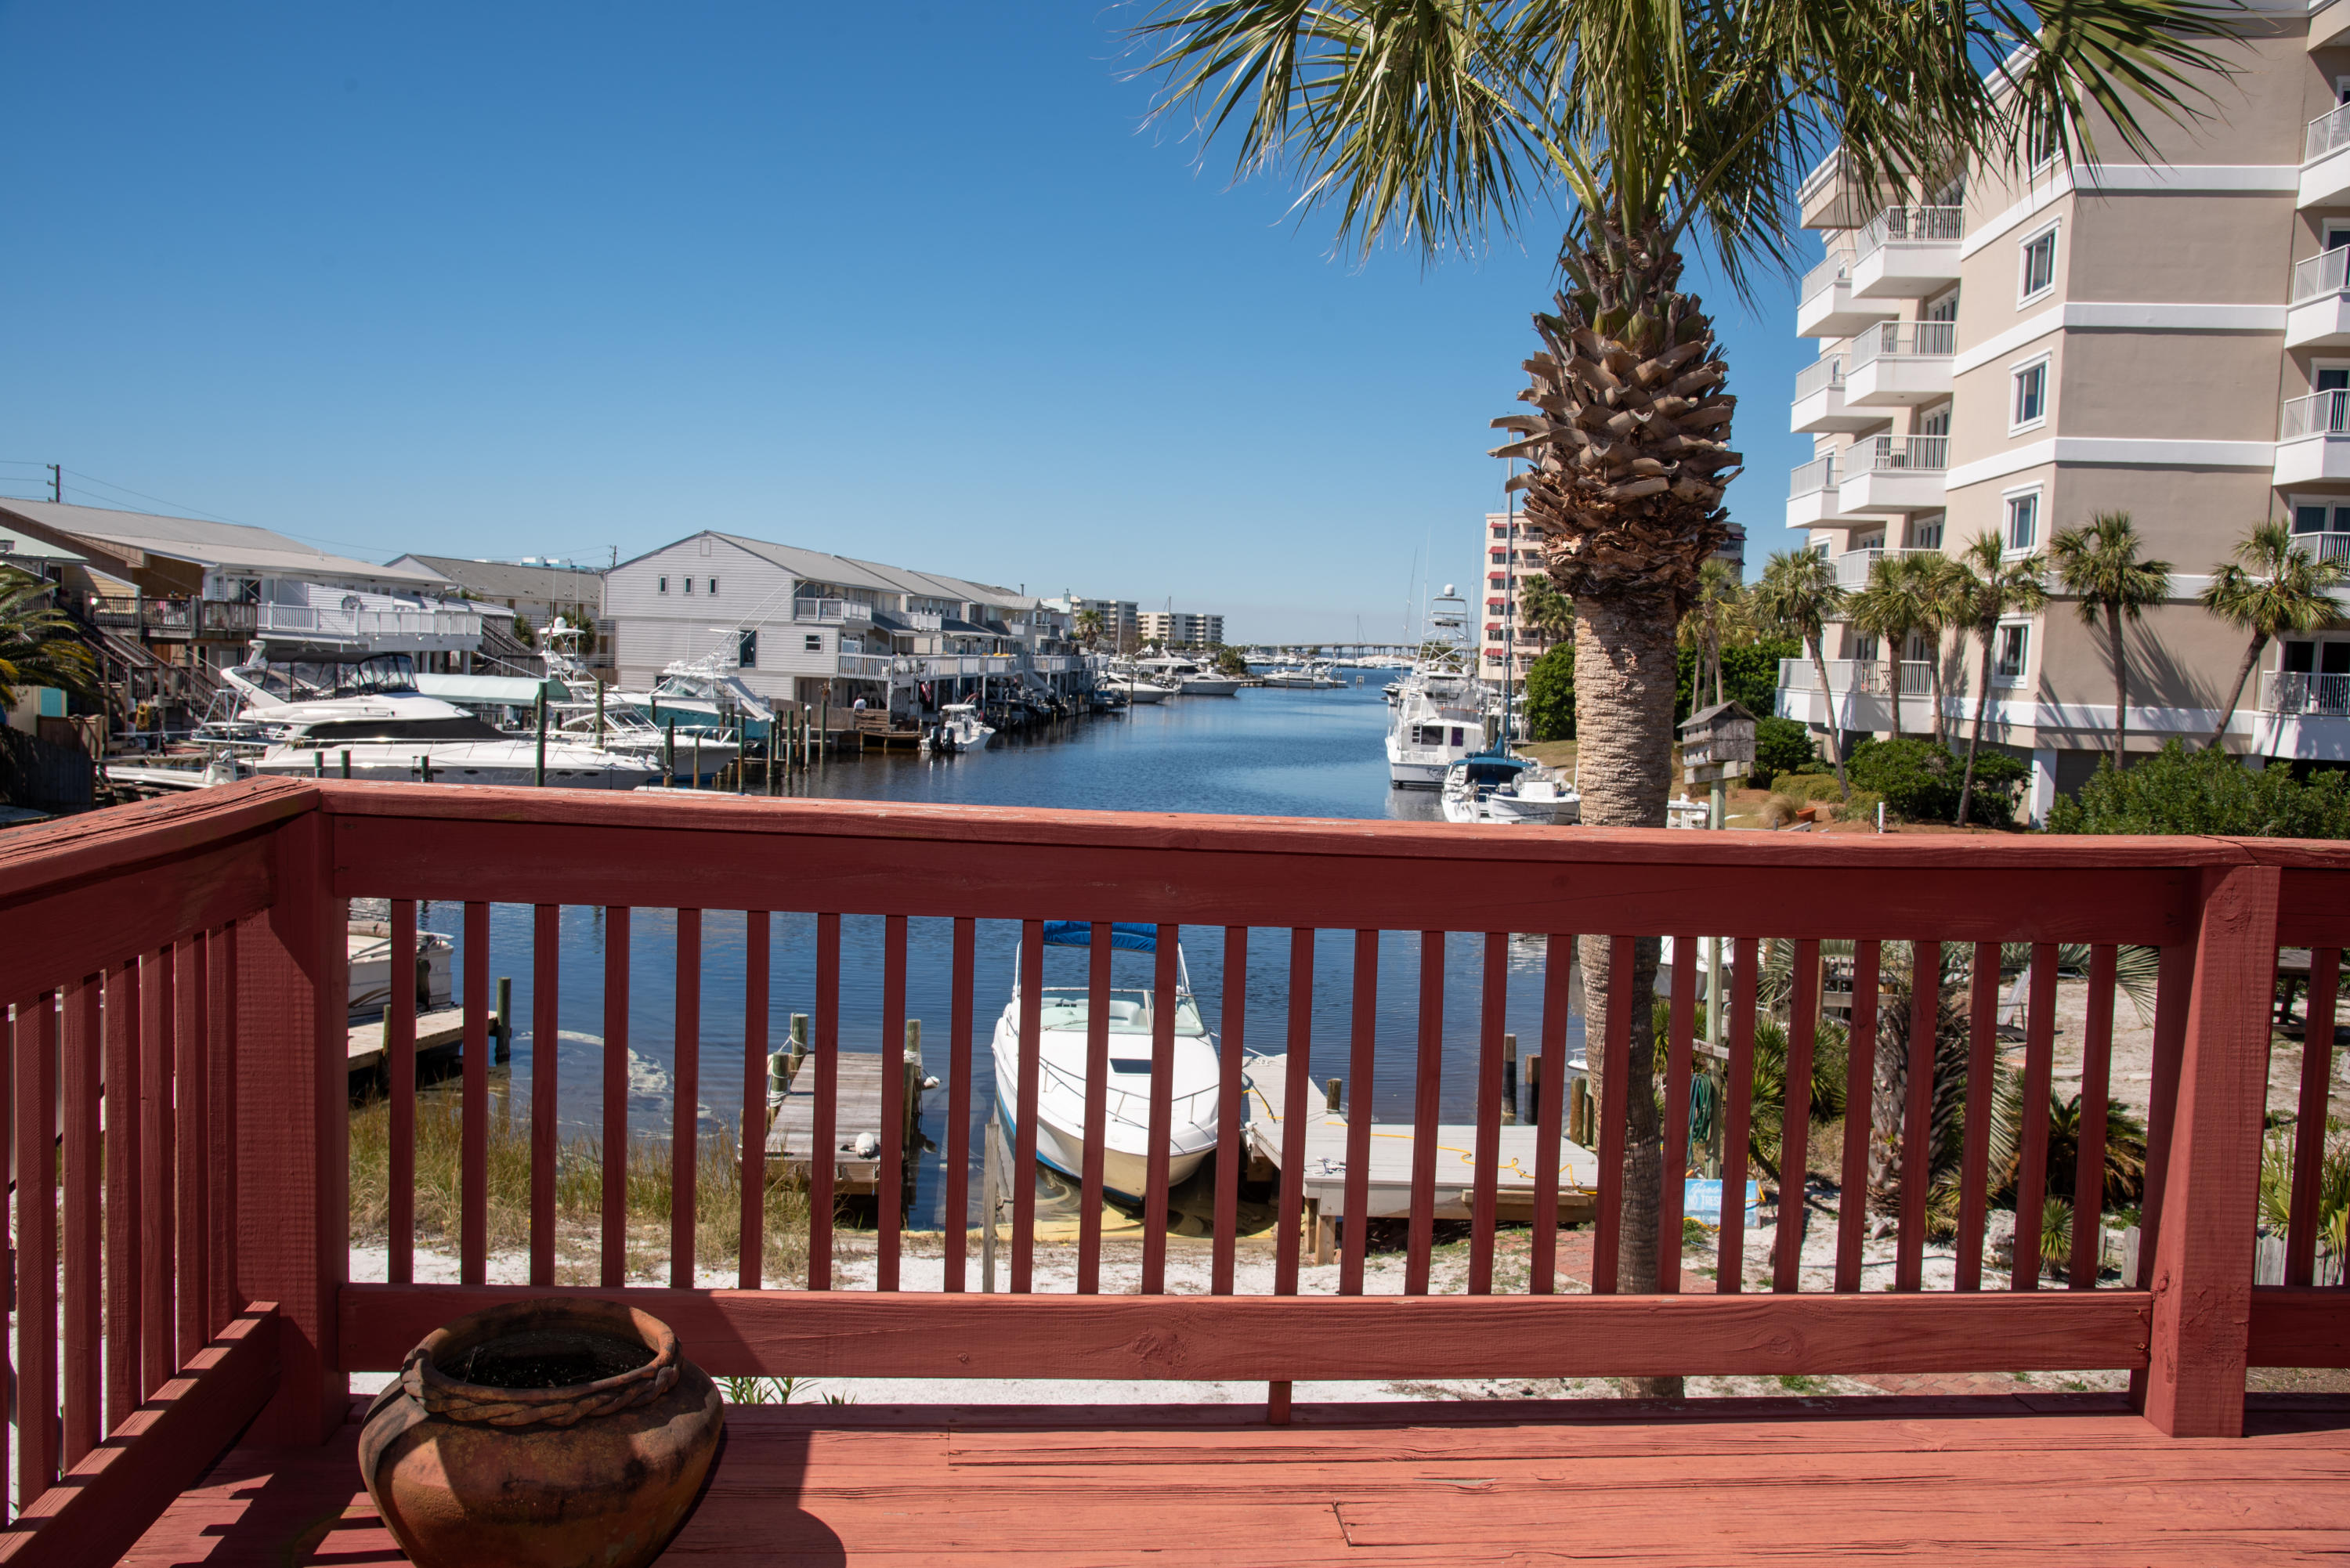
[2054,1479]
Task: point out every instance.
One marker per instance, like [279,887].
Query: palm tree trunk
[2236,692]
[1717,668]
[1893,675]
[1982,703]
[1835,737]
[2121,686]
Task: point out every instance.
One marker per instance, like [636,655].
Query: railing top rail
[77,849]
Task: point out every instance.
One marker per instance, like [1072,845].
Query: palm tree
[39,644]
[1797,597]
[1716,613]
[2099,564]
[1546,612]
[1995,588]
[2272,587]
[1664,128]
[1943,595]
[1889,608]
[1089,628]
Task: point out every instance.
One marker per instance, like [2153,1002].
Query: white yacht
[960,728]
[1065,1003]
[1311,677]
[690,750]
[1440,707]
[1137,689]
[364,719]
[1492,787]
[1188,676]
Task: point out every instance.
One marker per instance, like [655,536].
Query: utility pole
[56,484]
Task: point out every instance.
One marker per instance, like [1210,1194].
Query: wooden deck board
[1781,1482]
[791,1126]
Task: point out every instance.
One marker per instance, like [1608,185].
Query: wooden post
[505,1018]
[911,1102]
[987,1207]
[1509,1079]
[799,1044]
[1332,1093]
[2203,1262]
[1534,1079]
[539,766]
[292,1090]
[1579,1111]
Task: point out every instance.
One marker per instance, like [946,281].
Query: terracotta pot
[466,1468]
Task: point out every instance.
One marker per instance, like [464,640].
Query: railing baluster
[750,1270]
[194,1001]
[473,1105]
[889,1192]
[545,1051]
[1162,1110]
[221,1199]
[1022,1174]
[1738,1118]
[84,1031]
[685,1105]
[1427,1112]
[2309,1125]
[1795,1119]
[2032,1170]
[1362,1068]
[122,1195]
[2089,1144]
[959,1008]
[612,1198]
[158,1159]
[1298,1080]
[1550,1101]
[1616,1066]
[1859,1117]
[1232,1015]
[2174,992]
[37,1246]
[1974,1162]
[1097,1112]
[16,1037]
[1917,1113]
[1681,1048]
[1493,1016]
[400,1073]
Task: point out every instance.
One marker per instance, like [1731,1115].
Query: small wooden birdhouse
[1718,741]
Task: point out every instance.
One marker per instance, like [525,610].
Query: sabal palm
[1995,588]
[2272,587]
[1666,125]
[1716,612]
[39,644]
[2099,563]
[1890,607]
[1796,597]
[1548,613]
[1942,593]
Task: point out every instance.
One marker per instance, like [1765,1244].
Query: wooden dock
[443,1029]
[857,1114]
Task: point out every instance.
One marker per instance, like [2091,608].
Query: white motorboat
[1313,677]
[1064,1004]
[1493,787]
[1440,707]
[364,719]
[1188,677]
[368,959]
[1131,684]
[960,728]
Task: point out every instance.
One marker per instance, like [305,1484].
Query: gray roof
[513,581]
[25,548]
[234,546]
[817,565]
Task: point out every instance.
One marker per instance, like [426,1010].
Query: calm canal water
[1263,753]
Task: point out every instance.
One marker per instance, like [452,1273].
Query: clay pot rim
[586,1314]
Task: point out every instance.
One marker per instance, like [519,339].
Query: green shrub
[1749,674]
[1781,746]
[2181,791]
[1920,779]
[1806,787]
[1550,694]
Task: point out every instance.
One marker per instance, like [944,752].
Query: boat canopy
[1133,936]
[1492,765]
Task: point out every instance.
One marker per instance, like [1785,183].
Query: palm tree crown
[1993,589]
[2099,564]
[1796,596]
[39,645]
[2272,587]
[1896,603]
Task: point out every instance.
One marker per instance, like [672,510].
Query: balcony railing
[2319,413]
[2321,274]
[1872,676]
[1808,478]
[2329,132]
[1826,276]
[176,617]
[2291,692]
[819,610]
[865,666]
[178,1026]
[2324,547]
[1895,225]
[1903,340]
[1880,454]
[1819,377]
[1853,567]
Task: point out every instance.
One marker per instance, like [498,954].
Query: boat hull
[1125,1177]
[462,763]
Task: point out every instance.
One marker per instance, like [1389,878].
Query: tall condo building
[1181,628]
[2012,351]
[1509,639]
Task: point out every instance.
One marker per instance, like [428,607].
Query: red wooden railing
[181,965]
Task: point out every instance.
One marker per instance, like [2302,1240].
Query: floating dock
[856,1115]
[443,1029]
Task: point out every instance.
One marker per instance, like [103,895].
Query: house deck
[2041,1479]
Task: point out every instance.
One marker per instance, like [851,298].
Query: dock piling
[1509,1079]
[1533,1086]
[1579,1111]
[1332,1093]
[505,1020]
[988,1200]
[347,761]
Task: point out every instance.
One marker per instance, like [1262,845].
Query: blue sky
[905,281]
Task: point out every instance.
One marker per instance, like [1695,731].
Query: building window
[816,642]
[713,587]
[746,649]
[2030,407]
[2038,266]
[2041,146]
[1926,532]
[664,588]
[2022,522]
[689,584]
[2013,642]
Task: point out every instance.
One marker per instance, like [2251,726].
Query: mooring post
[799,1044]
[347,761]
[1332,1093]
[1509,1079]
[1579,1111]
[505,1019]
[539,766]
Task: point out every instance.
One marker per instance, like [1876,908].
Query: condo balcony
[1820,402]
[1824,303]
[1899,364]
[1905,251]
[2300,691]
[2313,439]
[2319,315]
[1859,694]
[2325,158]
[1813,498]
[1893,474]
[1853,567]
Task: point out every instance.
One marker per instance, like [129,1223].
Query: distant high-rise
[1181,629]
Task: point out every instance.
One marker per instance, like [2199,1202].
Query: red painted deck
[2036,1478]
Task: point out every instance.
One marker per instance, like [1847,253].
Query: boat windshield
[304,680]
[1129,1012]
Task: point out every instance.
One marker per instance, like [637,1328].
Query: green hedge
[1919,780]
[2208,791]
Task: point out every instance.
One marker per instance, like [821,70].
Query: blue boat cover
[1133,936]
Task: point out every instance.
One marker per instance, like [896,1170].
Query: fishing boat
[1439,715]
[1493,786]
[1064,1004]
[960,728]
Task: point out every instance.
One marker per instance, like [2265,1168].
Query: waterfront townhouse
[2014,350]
